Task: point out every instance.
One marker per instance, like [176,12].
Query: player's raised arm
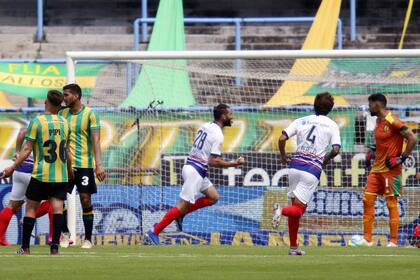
[217,161]
[20,138]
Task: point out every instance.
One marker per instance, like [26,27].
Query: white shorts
[20,181]
[302,185]
[194,184]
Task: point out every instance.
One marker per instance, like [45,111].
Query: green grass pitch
[210,262]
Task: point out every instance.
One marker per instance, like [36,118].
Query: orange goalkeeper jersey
[389,142]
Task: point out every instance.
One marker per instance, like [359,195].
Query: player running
[206,151]
[20,181]
[385,175]
[314,134]
[47,137]
[85,149]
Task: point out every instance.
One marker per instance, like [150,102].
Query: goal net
[152,103]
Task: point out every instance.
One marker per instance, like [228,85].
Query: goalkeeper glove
[370,155]
[392,162]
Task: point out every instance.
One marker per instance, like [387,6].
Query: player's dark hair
[219,110]
[378,97]
[75,88]
[323,104]
[55,97]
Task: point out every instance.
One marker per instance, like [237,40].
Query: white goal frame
[72,57]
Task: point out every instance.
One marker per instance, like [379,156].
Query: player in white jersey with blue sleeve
[314,134]
[206,151]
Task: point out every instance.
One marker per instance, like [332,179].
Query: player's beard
[70,104]
[373,114]
[227,123]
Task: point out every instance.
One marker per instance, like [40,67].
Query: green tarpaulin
[165,80]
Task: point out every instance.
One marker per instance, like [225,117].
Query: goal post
[148,126]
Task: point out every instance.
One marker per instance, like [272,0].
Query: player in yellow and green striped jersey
[47,137]
[86,156]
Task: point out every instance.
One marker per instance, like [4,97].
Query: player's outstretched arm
[24,154]
[100,172]
[216,161]
[332,154]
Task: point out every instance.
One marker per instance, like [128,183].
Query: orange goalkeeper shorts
[386,183]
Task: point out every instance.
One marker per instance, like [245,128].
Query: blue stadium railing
[40,19]
[142,33]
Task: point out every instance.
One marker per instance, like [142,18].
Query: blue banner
[242,216]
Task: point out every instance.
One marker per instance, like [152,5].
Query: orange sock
[368,215]
[391,203]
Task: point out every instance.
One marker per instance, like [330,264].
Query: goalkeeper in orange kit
[385,175]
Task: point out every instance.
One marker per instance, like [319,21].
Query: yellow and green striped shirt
[49,134]
[82,124]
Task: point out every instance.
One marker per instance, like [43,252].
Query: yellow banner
[321,36]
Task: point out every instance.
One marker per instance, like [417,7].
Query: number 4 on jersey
[310,137]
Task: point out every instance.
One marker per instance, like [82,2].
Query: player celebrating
[385,175]
[85,149]
[47,137]
[206,151]
[314,134]
[20,181]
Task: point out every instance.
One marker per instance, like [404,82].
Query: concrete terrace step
[92,30]
[89,38]
[14,30]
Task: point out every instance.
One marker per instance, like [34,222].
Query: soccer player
[206,151]
[385,175]
[20,181]
[85,149]
[314,134]
[47,137]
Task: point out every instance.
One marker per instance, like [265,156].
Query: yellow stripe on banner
[44,81]
[321,36]
[9,132]
[4,102]
[407,19]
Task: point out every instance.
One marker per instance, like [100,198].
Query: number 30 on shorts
[85,180]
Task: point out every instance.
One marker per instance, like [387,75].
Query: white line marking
[136,255]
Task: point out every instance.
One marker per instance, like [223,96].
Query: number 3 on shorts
[85,180]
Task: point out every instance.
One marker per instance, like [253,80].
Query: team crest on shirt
[386,128]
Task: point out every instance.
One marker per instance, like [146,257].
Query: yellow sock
[391,203]
[368,215]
